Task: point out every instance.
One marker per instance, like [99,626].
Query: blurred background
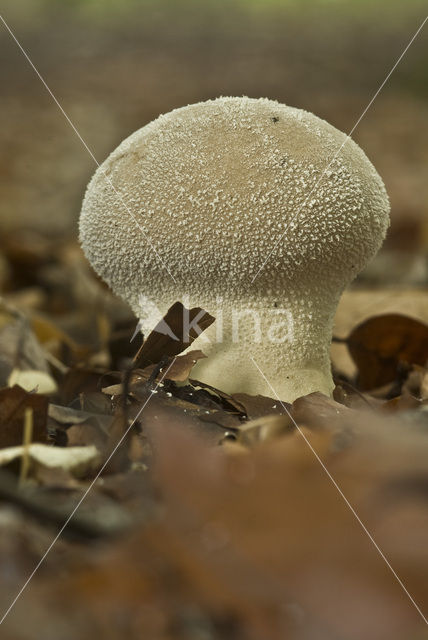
[114,65]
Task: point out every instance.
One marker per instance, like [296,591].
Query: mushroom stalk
[264,206]
[288,340]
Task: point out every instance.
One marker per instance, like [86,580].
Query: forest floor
[155,509]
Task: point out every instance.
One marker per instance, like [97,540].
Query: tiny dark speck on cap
[275,119]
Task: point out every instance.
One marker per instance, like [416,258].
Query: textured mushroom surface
[204,193]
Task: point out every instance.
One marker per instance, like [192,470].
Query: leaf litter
[212,518]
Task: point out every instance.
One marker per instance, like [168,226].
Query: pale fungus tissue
[258,212]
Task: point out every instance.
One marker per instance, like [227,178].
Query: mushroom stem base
[234,371]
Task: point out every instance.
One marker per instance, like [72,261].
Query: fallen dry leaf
[13,402]
[380,344]
[168,337]
[317,410]
[177,369]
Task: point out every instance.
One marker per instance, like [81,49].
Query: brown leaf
[80,435]
[229,403]
[222,418]
[168,337]
[13,402]
[178,371]
[258,406]
[317,410]
[344,393]
[80,379]
[162,408]
[404,402]
[380,344]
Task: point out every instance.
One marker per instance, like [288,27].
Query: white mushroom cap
[205,193]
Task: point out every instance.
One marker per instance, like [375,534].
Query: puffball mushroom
[210,193]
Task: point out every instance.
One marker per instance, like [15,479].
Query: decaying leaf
[13,402]
[380,344]
[257,406]
[169,337]
[317,410]
[228,402]
[177,370]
